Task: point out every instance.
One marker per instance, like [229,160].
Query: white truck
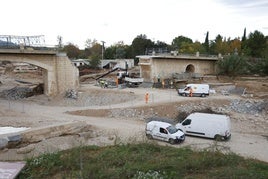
[201,90]
[128,79]
[133,82]
[164,131]
[214,126]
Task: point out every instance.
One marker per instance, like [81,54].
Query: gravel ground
[120,115]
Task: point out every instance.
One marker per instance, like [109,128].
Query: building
[153,67]
[80,62]
[121,63]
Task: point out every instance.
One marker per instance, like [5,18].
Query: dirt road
[41,111]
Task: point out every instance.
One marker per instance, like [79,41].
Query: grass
[145,160]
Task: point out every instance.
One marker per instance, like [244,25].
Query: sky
[112,21]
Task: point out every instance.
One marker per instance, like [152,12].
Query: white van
[164,131]
[214,126]
[201,90]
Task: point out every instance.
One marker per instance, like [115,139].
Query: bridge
[59,74]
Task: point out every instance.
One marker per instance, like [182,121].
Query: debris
[71,93]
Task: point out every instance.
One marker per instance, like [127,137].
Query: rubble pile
[252,107]
[71,93]
[17,93]
[127,113]
[93,98]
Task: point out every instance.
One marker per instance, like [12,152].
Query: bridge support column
[50,87]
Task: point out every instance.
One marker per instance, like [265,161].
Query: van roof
[191,84]
[205,115]
[160,123]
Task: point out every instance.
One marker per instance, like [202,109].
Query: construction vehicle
[124,77]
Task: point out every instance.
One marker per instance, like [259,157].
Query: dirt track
[118,115]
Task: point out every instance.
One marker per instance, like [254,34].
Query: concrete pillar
[50,87]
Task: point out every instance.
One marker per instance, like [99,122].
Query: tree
[244,38]
[140,44]
[232,65]
[117,51]
[95,61]
[72,51]
[235,45]
[179,41]
[206,44]
[110,52]
[256,44]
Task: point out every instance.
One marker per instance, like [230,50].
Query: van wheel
[171,141]
[183,94]
[203,95]
[218,137]
[149,136]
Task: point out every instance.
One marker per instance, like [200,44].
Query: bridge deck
[28,51]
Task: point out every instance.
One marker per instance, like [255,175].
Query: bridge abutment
[59,74]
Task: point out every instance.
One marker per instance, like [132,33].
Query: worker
[191,92]
[116,81]
[163,83]
[146,97]
[171,84]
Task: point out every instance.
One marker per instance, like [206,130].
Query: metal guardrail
[36,42]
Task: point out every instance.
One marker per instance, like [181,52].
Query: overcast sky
[122,20]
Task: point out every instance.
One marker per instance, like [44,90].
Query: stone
[3,143]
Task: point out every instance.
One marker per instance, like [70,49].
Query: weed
[142,160]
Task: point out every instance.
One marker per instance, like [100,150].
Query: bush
[232,65]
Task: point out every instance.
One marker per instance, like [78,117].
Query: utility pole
[102,49]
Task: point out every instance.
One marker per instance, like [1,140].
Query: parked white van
[201,90]
[164,131]
[206,125]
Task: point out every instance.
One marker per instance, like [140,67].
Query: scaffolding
[15,41]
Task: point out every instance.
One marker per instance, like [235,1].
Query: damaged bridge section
[58,72]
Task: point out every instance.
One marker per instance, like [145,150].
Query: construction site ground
[115,115]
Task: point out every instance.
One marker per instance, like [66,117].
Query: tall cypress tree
[243,42]
[206,44]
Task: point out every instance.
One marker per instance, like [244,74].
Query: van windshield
[172,129]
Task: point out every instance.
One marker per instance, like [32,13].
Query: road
[28,113]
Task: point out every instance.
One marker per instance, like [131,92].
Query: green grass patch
[143,160]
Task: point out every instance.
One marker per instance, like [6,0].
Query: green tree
[117,51]
[140,44]
[72,51]
[206,44]
[256,44]
[243,41]
[258,66]
[217,46]
[232,65]
[96,49]
[95,61]
[110,52]
[179,42]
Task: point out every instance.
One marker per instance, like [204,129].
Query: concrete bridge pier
[59,74]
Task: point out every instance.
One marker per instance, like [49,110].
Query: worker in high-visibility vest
[191,92]
[146,97]
[116,81]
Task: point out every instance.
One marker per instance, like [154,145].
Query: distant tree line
[251,52]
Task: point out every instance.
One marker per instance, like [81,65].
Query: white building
[80,62]
[121,63]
